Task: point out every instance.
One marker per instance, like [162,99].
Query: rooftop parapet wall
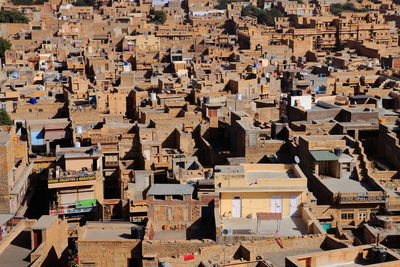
[250,250]
[15,231]
[157,248]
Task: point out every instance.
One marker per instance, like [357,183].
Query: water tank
[33,100]
[15,75]
[137,232]
[299,92]
[77,144]
[238,96]
[165,264]
[127,66]
[338,151]
[153,96]
[78,129]
[292,92]
[206,99]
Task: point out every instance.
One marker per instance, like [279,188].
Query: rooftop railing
[371,197]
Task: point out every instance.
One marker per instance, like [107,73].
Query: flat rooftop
[108,231]
[278,257]
[352,256]
[17,253]
[336,185]
[288,226]
[44,222]
[170,235]
[256,174]
[270,169]
[93,234]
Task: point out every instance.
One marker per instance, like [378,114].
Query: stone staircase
[362,164]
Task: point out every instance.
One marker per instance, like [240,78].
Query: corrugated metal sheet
[323,155]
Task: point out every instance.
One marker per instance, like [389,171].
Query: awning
[323,155]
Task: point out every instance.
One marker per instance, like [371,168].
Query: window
[323,168]
[362,216]
[159,197]
[177,197]
[347,216]
[263,137]
[169,214]
[252,139]
[3,106]
[154,150]
[40,110]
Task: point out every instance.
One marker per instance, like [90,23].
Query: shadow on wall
[204,227]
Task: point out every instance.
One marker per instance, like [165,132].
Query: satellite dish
[296,159]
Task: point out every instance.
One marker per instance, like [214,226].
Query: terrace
[286,226]
[57,176]
[347,191]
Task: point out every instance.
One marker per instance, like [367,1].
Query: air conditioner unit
[227,231]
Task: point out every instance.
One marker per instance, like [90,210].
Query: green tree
[10,16]
[22,2]
[85,2]
[263,16]
[28,2]
[337,9]
[159,17]
[222,4]
[4,118]
[4,46]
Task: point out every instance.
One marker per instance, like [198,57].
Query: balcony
[111,164]
[367,197]
[70,176]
